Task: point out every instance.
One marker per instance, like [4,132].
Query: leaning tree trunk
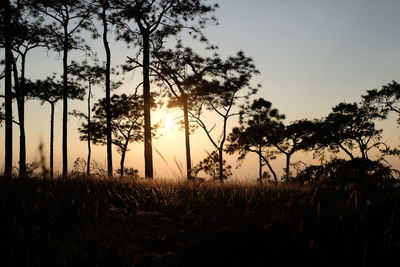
[148,153]
[7,90]
[346,151]
[108,92]
[52,140]
[187,137]
[270,168]
[65,105]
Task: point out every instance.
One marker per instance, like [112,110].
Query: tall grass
[101,222]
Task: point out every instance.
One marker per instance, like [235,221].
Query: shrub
[130,172]
[343,173]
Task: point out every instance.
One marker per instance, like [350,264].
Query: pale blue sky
[312,54]
[315,52]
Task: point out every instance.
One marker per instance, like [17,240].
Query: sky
[312,55]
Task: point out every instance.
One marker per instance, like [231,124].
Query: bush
[210,166]
[130,173]
[343,173]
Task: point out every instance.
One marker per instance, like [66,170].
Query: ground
[100,222]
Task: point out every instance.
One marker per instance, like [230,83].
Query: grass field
[94,222]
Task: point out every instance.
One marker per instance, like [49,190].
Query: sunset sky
[312,55]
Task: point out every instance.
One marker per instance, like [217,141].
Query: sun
[169,123]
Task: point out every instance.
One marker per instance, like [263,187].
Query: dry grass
[101,222]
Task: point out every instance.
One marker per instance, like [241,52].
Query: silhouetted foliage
[51,90]
[126,122]
[92,75]
[386,99]
[101,10]
[181,71]
[6,24]
[147,24]
[212,167]
[339,173]
[258,122]
[228,84]
[66,19]
[348,209]
[28,34]
[297,136]
[349,127]
[130,173]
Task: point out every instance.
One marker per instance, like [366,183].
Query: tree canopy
[127,123]
[386,99]
[350,126]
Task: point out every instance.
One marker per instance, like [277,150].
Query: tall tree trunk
[8,90]
[108,90]
[17,90]
[148,153]
[21,120]
[89,135]
[65,105]
[187,137]
[221,149]
[221,164]
[52,140]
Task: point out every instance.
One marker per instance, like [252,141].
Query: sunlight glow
[169,123]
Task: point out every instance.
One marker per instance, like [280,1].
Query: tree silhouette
[101,10]
[212,167]
[229,84]
[68,18]
[51,90]
[153,22]
[350,126]
[92,75]
[27,35]
[180,71]
[5,8]
[299,135]
[258,121]
[127,123]
[104,6]
[386,99]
